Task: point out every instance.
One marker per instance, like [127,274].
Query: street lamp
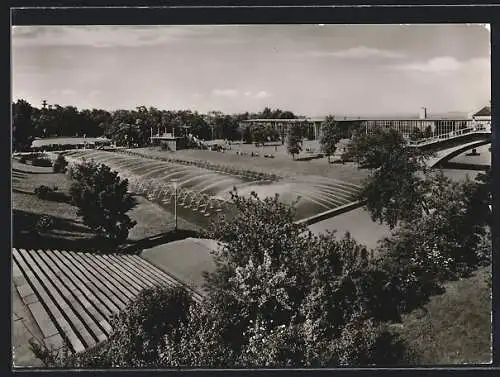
[174,182]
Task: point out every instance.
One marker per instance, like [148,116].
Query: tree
[279,297]
[247,134]
[102,200]
[481,197]
[294,141]
[140,331]
[372,150]
[330,136]
[125,134]
[288,298]
[395,190]
[445,243]
[427,132]
[417,134]
[60,164]
[23,130]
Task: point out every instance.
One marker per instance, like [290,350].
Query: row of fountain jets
[166,193]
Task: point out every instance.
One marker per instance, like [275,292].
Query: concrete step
[141,273]
[154,272]
[114,295]
[80,304]
[83,281]
[83,323]
[88,299]
[132,283]
[74,295]
[113,279]
[54,322]
[63,303]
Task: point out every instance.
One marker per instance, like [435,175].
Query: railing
[450,135]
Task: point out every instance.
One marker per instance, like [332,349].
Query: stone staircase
[73,295]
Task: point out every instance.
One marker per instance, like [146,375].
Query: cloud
[445,64]
[94,93]
[360,52]
[262,94]
[67,92]
[102,36]
[225,92]
[257,95]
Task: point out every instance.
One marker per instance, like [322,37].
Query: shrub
[43,192]
[23,159]
[42,161]
[44,223]
[140,330]
[48,356]
[103,200]
[95,357]
[60,164]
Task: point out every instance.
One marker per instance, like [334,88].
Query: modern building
[483,117]
[312,125]
[433,126]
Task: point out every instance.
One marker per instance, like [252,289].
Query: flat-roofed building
[430,125]
[312,125]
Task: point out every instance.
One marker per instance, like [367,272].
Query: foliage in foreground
[283,297]
[279,297]
[102,200]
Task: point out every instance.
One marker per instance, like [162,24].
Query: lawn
[281,166]
[69,232]
[456,329]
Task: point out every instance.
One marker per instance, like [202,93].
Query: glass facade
[429,127]
[408,126]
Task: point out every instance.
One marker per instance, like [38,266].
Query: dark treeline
[127,127]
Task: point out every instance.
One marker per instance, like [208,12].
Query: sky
[312,70]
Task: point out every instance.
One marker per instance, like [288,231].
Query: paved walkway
[23,328]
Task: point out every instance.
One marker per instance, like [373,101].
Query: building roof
[485,111]
[67,140]
[351,119]
[295,120]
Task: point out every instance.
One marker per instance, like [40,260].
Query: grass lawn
[69,232]
[457,326]
[281,166]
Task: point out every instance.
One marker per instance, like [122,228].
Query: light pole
[174,182]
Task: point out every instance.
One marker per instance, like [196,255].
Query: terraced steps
[73,295]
